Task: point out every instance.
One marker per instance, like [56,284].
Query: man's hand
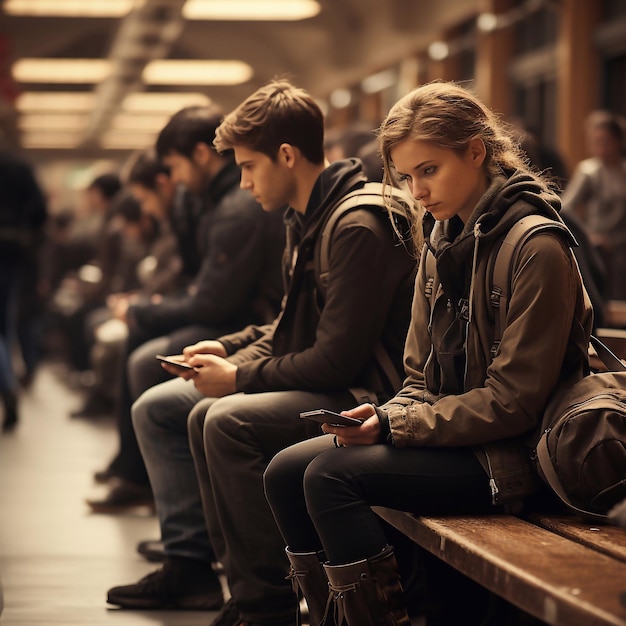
[214,376]
[367,433]
[209,346]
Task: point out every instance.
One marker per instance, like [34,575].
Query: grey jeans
[160,422]
[233,439]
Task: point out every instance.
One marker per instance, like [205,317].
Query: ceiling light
[438,50]
[65,101]
[340,98]
[250,9]
[162,102]
[57,122]
[172,72]
[126,121]
[85,71]
[378,82]
[55,140]
[71,8]
[124,140]
[487,22]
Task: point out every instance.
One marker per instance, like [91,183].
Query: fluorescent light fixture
[64,101]
[54,140]
[138,123]
[174,72]
[61,70]
[288,10]
[125,140]
[57,122]
[378,82]
[153,102]
[71,8]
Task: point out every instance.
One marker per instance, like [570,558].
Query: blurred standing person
[597,192]
[23,213]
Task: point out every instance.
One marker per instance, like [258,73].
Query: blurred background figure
[548,160]
[597,194]
[155,267]
[23,214]
[357,140]
[92,262]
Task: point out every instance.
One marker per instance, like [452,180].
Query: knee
[223,422]
[279,474]
[320,478]
[141,414]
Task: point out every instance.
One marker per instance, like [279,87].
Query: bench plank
[610,540]
[543,573]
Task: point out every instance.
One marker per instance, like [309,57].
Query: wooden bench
[556,568]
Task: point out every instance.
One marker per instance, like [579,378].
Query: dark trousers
[321,495]
[232,441]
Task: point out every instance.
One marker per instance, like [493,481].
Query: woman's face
[445,182]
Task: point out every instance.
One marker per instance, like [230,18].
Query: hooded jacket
[455,393]
[326,343]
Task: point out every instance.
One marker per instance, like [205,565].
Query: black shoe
[228,616]
[122,495]
[179,584]
[151,550]
[105,475]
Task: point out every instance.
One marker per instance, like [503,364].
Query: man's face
[271,183]
[184,171]
[150,200]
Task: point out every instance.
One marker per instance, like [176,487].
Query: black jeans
[321,495]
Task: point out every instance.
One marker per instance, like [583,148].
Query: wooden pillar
[494,52]
[578,81]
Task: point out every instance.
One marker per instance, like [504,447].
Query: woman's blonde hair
[449,116]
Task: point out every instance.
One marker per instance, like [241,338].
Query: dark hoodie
[325,344]
[455,394]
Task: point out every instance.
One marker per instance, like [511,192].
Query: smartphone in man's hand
[174,362]
[324,416]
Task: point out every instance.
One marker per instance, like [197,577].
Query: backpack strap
[371,194]
[500,292]
[389,200]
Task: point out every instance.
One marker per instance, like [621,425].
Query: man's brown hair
[275,114]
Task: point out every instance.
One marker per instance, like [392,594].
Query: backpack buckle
[495,348]
[496,293]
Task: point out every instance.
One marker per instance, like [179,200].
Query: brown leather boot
[308,576]
[368,592]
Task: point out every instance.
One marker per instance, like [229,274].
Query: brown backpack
[581,453]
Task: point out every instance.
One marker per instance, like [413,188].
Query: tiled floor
[56,558]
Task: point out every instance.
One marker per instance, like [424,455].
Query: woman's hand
[367,433]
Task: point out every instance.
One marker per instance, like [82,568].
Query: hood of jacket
[506,201]
[337,180]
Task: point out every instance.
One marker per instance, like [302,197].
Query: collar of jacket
[227,178]
[508,198]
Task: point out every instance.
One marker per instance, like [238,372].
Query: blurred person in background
[597,194]
[549,162]
[23,213]
[239,282]
[157,273]
[90,255]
